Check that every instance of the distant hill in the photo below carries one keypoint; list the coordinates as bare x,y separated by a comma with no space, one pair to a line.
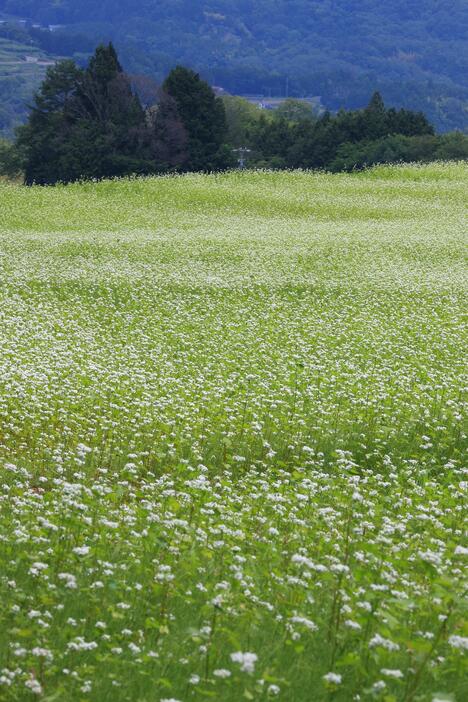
416,54
22,67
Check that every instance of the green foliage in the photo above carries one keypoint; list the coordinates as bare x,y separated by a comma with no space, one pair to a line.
398,148
203,117
272,139
169,139
452,146
343,141
11,163
351,140
294,111
90,124
43,139
241,118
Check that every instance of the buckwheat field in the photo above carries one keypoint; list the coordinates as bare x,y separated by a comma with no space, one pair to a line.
232,438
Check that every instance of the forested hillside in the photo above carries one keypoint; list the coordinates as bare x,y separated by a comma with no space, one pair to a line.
342,50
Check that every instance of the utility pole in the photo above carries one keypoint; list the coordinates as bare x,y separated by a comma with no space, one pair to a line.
242,156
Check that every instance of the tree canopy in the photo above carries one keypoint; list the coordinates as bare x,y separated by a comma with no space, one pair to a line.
203,117
91,123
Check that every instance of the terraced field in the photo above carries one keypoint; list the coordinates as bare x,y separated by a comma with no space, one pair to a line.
18,81
232,438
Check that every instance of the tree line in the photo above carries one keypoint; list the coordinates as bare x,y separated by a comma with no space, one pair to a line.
99,122
92,123
349,140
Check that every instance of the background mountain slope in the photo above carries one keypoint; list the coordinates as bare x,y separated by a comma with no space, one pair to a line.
22,67
415,54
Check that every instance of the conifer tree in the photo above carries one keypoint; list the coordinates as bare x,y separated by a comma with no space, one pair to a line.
85,124
375,124
42,141
107,115
203,117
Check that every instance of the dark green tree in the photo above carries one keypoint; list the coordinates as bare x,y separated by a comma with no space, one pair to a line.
375,122
109,129
43,140
204,120
271,140
11,163
241,117
452,146
408,123
169,142
85,124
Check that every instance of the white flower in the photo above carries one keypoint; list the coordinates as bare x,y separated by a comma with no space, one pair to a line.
42,653
245,660
352,625
429,556
460,642
392,673
222,673
461,551
79,644
305,622
273,690
36,568
379,685
81,550
34,685
70,580
20,651
334,678
378,640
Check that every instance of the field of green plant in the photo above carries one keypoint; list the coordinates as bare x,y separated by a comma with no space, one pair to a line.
232,438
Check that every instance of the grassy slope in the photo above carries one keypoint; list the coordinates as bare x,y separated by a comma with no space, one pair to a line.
242,394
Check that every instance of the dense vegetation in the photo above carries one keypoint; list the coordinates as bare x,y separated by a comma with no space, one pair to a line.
92,124
232,438
415,54
98,122
350,140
